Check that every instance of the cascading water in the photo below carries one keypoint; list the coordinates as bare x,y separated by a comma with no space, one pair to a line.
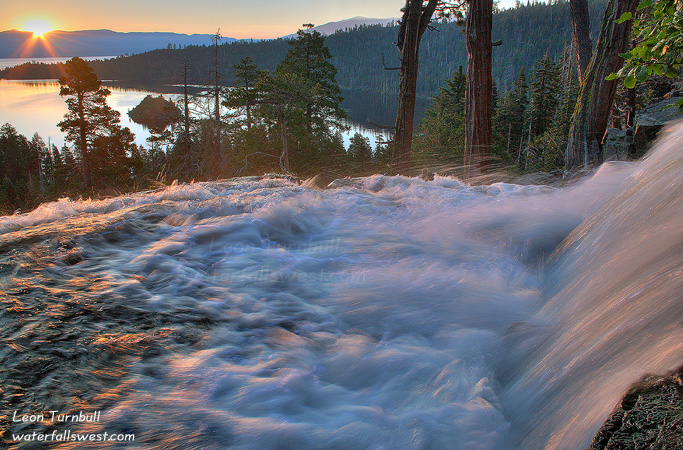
392,314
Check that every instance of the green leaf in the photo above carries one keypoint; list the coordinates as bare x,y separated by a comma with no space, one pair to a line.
630,82
678,104
644,4
641,73
611,76
658,69
671,73
624,17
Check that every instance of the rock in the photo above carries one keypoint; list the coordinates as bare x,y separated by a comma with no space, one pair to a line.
617,145
342,183
651,119
649,416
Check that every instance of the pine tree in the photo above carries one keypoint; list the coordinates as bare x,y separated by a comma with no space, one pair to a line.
569,89
14,149
243,93
90,122
308,58
442,130
544,88
35,164
360,149
112,156
510,127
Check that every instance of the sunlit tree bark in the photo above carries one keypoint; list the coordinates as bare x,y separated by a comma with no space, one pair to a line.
597,94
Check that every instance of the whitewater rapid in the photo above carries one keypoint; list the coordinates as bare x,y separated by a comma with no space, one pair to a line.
391,313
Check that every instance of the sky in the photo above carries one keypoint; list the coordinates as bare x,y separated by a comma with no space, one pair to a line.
235,18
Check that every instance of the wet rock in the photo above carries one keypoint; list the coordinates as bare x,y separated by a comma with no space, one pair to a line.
342,183
650,120
617,144
649,416
72,258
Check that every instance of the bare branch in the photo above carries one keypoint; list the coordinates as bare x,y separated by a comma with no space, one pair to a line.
388,68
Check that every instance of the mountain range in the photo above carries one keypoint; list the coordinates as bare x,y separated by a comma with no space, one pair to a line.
22,44
347,24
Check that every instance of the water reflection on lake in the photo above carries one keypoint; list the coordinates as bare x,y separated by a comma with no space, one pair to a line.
34,106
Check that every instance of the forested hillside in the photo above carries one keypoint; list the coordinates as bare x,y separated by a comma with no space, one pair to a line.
528,32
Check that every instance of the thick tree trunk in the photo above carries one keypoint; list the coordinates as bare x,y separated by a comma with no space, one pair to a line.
581,35
597,94
415,20
479,90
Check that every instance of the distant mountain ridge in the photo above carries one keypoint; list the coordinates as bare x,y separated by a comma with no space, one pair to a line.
22,44
347,24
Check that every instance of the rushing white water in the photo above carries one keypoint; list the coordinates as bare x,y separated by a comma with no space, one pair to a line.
396,314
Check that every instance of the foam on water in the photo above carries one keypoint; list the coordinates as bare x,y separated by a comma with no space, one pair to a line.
396,314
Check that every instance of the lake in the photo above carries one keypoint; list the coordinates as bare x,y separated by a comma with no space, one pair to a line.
34,106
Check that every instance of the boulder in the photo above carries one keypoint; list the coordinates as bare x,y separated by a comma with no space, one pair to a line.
651,119
649,416
617,145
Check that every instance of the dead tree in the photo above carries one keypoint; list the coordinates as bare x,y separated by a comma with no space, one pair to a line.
417,15
581,35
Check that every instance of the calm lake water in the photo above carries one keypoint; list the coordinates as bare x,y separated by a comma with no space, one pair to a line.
34,106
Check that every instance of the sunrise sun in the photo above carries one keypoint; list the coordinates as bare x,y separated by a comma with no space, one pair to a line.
37,27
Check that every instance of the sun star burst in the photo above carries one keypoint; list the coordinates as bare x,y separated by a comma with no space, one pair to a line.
37,27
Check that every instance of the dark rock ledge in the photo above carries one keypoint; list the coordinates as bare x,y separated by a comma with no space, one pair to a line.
649,416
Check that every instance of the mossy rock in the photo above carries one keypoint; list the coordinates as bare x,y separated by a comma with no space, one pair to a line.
649,416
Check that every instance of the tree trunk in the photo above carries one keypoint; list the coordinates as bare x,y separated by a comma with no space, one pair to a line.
186,98
284,156
413,25
479,90
597,94
217,94
83,144
581,35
